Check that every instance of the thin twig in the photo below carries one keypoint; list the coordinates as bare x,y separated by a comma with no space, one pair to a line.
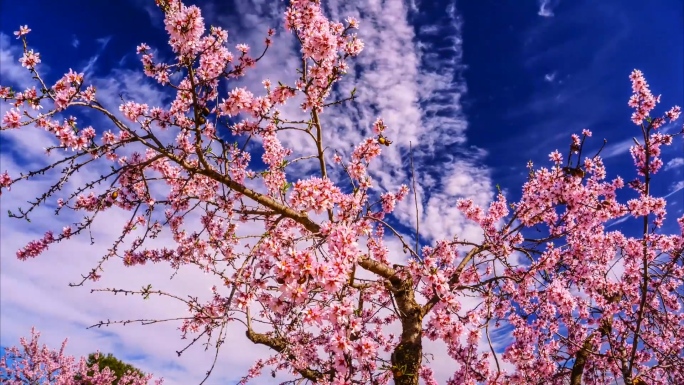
415,198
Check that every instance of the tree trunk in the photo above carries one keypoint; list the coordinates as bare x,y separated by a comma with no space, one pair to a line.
580,362
408,355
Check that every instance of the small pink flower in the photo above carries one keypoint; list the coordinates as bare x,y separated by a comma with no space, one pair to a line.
673,113
244,48
556,157
5,180
23,31
142,48
12,119
30,59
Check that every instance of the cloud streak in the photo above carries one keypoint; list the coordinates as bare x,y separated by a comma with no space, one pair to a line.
674,163
546,7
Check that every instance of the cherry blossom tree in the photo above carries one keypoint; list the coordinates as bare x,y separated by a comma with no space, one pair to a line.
35,365
317,284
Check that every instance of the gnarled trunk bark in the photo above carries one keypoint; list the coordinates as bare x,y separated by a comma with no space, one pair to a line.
408,355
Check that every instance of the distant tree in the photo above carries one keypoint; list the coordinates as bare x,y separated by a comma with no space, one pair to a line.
115,365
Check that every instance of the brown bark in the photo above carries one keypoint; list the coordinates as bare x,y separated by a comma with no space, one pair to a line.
580,362
584,352
279,345
407,356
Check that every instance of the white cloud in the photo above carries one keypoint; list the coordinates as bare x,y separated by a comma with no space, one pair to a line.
550,77
675,188
546,7
623,146
674,163
90,65
103,41
619,148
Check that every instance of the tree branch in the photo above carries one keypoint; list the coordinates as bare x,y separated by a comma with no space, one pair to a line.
280,346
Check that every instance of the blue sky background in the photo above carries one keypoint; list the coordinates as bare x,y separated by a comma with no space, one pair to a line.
486,86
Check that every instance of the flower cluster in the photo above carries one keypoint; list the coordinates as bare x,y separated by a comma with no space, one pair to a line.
314,194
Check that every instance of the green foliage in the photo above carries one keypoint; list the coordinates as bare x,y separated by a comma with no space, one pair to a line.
118,367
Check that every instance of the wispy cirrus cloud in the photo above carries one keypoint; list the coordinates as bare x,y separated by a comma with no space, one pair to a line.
584,93
674,163
550,77
676,187
411,80
622,147
90,65
546,7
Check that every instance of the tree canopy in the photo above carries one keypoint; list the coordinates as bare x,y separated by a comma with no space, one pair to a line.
299,238
116,366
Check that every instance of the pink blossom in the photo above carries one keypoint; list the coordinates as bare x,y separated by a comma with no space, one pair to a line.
239,100
314,194
12,119
30,59
23,31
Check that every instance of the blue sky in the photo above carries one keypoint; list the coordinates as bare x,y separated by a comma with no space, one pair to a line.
478,88
533,80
